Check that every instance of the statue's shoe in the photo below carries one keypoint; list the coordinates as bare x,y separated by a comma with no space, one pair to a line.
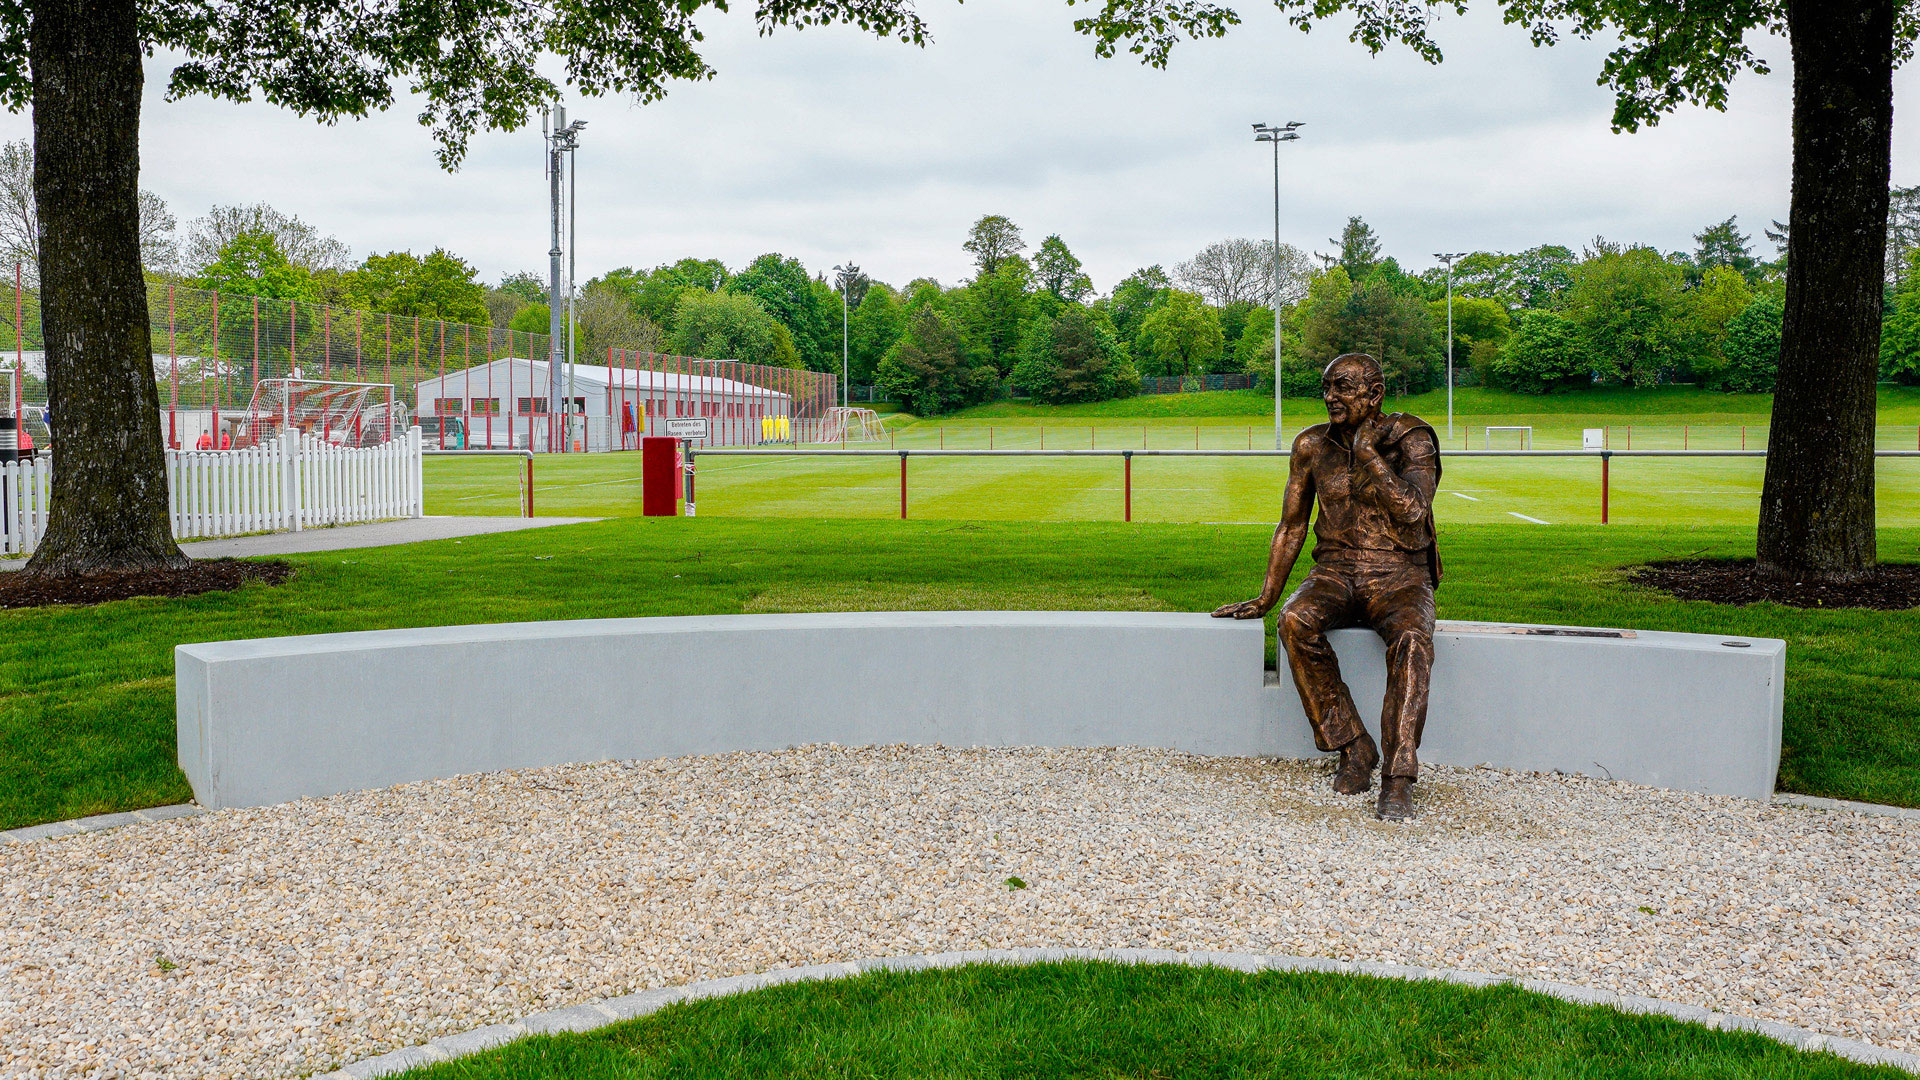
1396,799
1357,760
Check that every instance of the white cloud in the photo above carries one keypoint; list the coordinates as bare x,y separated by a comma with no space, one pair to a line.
827,145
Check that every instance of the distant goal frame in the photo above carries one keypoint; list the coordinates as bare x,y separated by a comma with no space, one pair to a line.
851,423
1524,429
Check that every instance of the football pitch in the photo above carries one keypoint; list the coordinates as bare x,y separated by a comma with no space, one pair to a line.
1531,492
1527,493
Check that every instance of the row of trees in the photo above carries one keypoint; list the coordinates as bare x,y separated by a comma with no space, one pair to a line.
260,251
1538,320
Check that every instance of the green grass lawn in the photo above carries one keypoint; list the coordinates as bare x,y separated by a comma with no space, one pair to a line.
1524,494
86,694
1098,1020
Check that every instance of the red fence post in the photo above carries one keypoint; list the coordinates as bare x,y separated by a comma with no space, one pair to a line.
19,339
219,373
903,485
1127,455
529,478
1606,462
173,380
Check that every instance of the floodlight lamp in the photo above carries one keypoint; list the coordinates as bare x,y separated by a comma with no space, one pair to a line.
1295,124
1289,137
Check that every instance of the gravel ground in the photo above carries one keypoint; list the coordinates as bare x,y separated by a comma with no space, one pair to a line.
289,940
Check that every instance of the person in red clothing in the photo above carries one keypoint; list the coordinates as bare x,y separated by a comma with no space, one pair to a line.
226,440
206,441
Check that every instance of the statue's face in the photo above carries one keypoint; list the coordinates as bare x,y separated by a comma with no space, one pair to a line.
1351,396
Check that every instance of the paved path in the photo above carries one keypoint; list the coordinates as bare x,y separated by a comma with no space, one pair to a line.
378,534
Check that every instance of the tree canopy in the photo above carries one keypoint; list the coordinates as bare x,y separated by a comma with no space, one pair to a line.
438,286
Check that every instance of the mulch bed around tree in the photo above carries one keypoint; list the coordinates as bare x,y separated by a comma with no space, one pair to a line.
17,590
1891,586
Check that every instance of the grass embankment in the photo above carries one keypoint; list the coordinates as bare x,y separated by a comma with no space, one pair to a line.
1661,418
1121,1020
86,694
1898,405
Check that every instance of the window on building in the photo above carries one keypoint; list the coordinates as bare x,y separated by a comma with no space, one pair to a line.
484,406
446,406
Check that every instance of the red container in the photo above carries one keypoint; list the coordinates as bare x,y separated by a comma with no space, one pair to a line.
659,476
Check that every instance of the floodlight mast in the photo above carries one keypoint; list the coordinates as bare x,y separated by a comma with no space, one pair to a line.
561,139
848,275
1268,133
1447,258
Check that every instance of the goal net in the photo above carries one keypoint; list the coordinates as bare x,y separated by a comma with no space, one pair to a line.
842,424
1510,438
342,413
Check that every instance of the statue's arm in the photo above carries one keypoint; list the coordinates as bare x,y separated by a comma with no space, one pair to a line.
1289,537
1407,496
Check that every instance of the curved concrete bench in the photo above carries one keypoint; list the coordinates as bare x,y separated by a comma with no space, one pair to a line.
269,720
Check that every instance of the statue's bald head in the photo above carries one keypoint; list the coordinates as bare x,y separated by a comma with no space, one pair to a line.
1361,364
1353,388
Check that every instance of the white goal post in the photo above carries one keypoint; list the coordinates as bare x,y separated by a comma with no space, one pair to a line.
843,424
341,413
1525,431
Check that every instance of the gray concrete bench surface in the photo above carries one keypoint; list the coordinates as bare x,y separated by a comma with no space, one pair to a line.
269,720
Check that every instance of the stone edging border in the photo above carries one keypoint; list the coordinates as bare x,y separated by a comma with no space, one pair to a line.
103,822
1815,802
99,823
597,1014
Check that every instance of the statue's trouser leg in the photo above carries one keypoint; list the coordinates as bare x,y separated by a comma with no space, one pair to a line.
1322,602
1399,606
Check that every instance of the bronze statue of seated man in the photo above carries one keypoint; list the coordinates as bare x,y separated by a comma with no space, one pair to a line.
1376,564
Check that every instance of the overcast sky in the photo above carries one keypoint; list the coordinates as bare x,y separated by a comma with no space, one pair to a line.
828,146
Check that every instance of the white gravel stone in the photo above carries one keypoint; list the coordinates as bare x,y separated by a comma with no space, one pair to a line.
285,941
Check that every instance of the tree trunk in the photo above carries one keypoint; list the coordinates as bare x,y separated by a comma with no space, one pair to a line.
1816,507
109,501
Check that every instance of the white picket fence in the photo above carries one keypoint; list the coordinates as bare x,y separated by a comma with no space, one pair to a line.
24,486
295,482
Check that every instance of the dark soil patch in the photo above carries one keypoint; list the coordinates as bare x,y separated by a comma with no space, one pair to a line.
17,590
1891,586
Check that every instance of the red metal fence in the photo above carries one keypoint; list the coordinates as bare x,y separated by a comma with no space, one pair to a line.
211,350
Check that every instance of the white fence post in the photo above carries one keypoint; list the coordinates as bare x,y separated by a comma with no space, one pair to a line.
417,498
290,475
